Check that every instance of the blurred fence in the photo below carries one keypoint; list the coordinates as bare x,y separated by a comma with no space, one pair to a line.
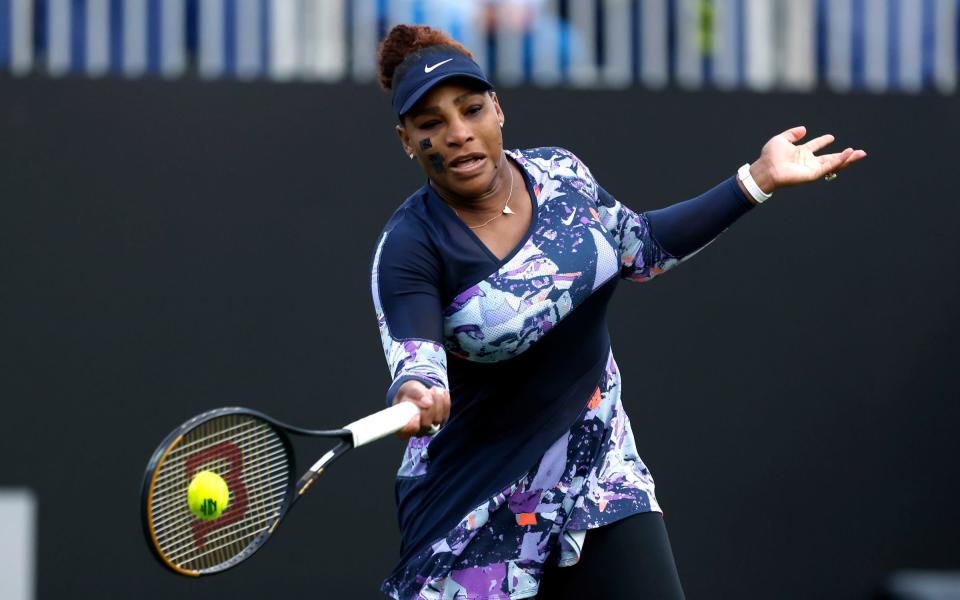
800,45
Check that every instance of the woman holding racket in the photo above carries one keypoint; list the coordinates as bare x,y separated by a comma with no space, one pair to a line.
491,284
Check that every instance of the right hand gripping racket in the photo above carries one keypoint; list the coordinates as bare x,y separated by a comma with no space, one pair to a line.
253,455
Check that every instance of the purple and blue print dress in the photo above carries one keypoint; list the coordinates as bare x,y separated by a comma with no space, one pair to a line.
538,448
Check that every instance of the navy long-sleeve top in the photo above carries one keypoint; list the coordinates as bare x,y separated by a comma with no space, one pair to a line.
520,342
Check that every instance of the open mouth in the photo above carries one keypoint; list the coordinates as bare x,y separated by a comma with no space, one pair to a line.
466,162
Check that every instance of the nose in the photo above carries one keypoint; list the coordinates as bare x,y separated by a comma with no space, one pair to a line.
459,132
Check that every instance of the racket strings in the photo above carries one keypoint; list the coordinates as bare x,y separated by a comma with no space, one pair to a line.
171,532
184,447
248,435
252,458
276,460
186,534
166,496
275,473
249,529
170,538
240,441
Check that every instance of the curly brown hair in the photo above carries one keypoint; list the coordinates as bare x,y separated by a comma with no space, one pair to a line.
404,40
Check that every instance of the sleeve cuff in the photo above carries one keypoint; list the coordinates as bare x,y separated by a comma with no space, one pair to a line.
732,181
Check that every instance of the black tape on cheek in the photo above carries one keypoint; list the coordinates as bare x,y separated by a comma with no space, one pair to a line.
425,144
436,161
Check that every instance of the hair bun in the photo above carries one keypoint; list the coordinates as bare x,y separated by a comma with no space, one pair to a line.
404,40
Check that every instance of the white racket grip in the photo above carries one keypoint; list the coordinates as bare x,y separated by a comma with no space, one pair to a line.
381,424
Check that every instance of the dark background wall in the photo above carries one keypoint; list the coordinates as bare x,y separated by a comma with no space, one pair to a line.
171,247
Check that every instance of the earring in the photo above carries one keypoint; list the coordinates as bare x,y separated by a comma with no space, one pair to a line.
501,124
411,155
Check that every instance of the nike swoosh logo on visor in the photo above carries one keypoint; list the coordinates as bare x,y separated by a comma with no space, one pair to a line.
427,69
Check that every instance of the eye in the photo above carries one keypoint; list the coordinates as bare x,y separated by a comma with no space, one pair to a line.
474,109
429,124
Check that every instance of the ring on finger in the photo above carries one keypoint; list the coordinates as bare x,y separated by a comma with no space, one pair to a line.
829,176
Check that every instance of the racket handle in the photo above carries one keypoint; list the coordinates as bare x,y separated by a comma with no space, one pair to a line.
381,424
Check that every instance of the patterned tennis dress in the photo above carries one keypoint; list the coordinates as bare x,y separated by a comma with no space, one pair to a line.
538,449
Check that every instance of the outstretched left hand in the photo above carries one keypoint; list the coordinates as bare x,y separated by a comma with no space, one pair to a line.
784,163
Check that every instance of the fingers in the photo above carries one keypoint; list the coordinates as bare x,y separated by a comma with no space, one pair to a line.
439,411
417,393
422,398
819,143
411,428
831,163
854,157
441,399
434,405
795,134
847,157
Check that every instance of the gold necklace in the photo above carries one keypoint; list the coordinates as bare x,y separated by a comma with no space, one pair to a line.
506,207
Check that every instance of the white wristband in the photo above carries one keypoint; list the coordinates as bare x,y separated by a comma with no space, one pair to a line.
743,174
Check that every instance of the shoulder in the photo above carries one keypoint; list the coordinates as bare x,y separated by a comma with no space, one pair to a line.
410,222
558,164
408,235
545,157
552,160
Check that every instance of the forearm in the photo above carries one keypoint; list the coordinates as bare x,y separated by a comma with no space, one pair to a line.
687,226
421,361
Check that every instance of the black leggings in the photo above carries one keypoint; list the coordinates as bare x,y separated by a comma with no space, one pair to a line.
627,559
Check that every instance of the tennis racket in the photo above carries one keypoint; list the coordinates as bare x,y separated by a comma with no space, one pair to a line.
253,454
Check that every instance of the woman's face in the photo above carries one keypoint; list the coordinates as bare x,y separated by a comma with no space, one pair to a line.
454,132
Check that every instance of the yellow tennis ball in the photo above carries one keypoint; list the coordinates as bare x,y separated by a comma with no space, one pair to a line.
208,495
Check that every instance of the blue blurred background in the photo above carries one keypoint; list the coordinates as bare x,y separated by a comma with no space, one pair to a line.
800,45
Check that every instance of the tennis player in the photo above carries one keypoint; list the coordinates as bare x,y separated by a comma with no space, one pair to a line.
491,282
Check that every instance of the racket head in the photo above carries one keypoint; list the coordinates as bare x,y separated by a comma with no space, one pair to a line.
255,459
